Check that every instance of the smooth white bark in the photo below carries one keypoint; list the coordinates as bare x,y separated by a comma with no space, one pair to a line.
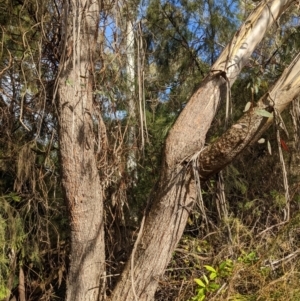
130,73
237,52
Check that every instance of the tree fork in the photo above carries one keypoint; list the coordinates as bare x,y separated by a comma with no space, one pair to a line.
176,192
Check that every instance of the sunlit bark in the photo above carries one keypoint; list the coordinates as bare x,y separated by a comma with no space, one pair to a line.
250,127
80,176
130,73
175,193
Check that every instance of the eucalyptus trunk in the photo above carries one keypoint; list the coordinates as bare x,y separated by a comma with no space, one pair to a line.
132,116
80,176
175,194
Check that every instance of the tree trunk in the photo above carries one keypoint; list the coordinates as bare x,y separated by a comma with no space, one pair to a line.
176,193
80,176
132,116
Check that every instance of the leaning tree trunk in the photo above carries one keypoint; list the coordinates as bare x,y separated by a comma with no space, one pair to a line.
175,193
80,176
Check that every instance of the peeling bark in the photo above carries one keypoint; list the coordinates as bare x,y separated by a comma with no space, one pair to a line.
237,52
250,127
132,115
176,192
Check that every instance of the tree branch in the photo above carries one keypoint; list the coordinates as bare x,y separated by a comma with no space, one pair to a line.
250,127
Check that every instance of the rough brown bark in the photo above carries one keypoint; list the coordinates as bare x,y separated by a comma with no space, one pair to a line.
176,192
250,127
163,228
80,176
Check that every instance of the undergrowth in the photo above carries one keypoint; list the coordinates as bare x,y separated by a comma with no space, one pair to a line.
248,252
256,265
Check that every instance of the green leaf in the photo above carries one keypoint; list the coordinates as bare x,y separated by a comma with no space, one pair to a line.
205,279
15,197
4,292
199,282
212,276
201,298
247,106
222,265
200,292
214,286
209,268
264,113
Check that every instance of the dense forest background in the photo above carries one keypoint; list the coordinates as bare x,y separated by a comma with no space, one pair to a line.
241,241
